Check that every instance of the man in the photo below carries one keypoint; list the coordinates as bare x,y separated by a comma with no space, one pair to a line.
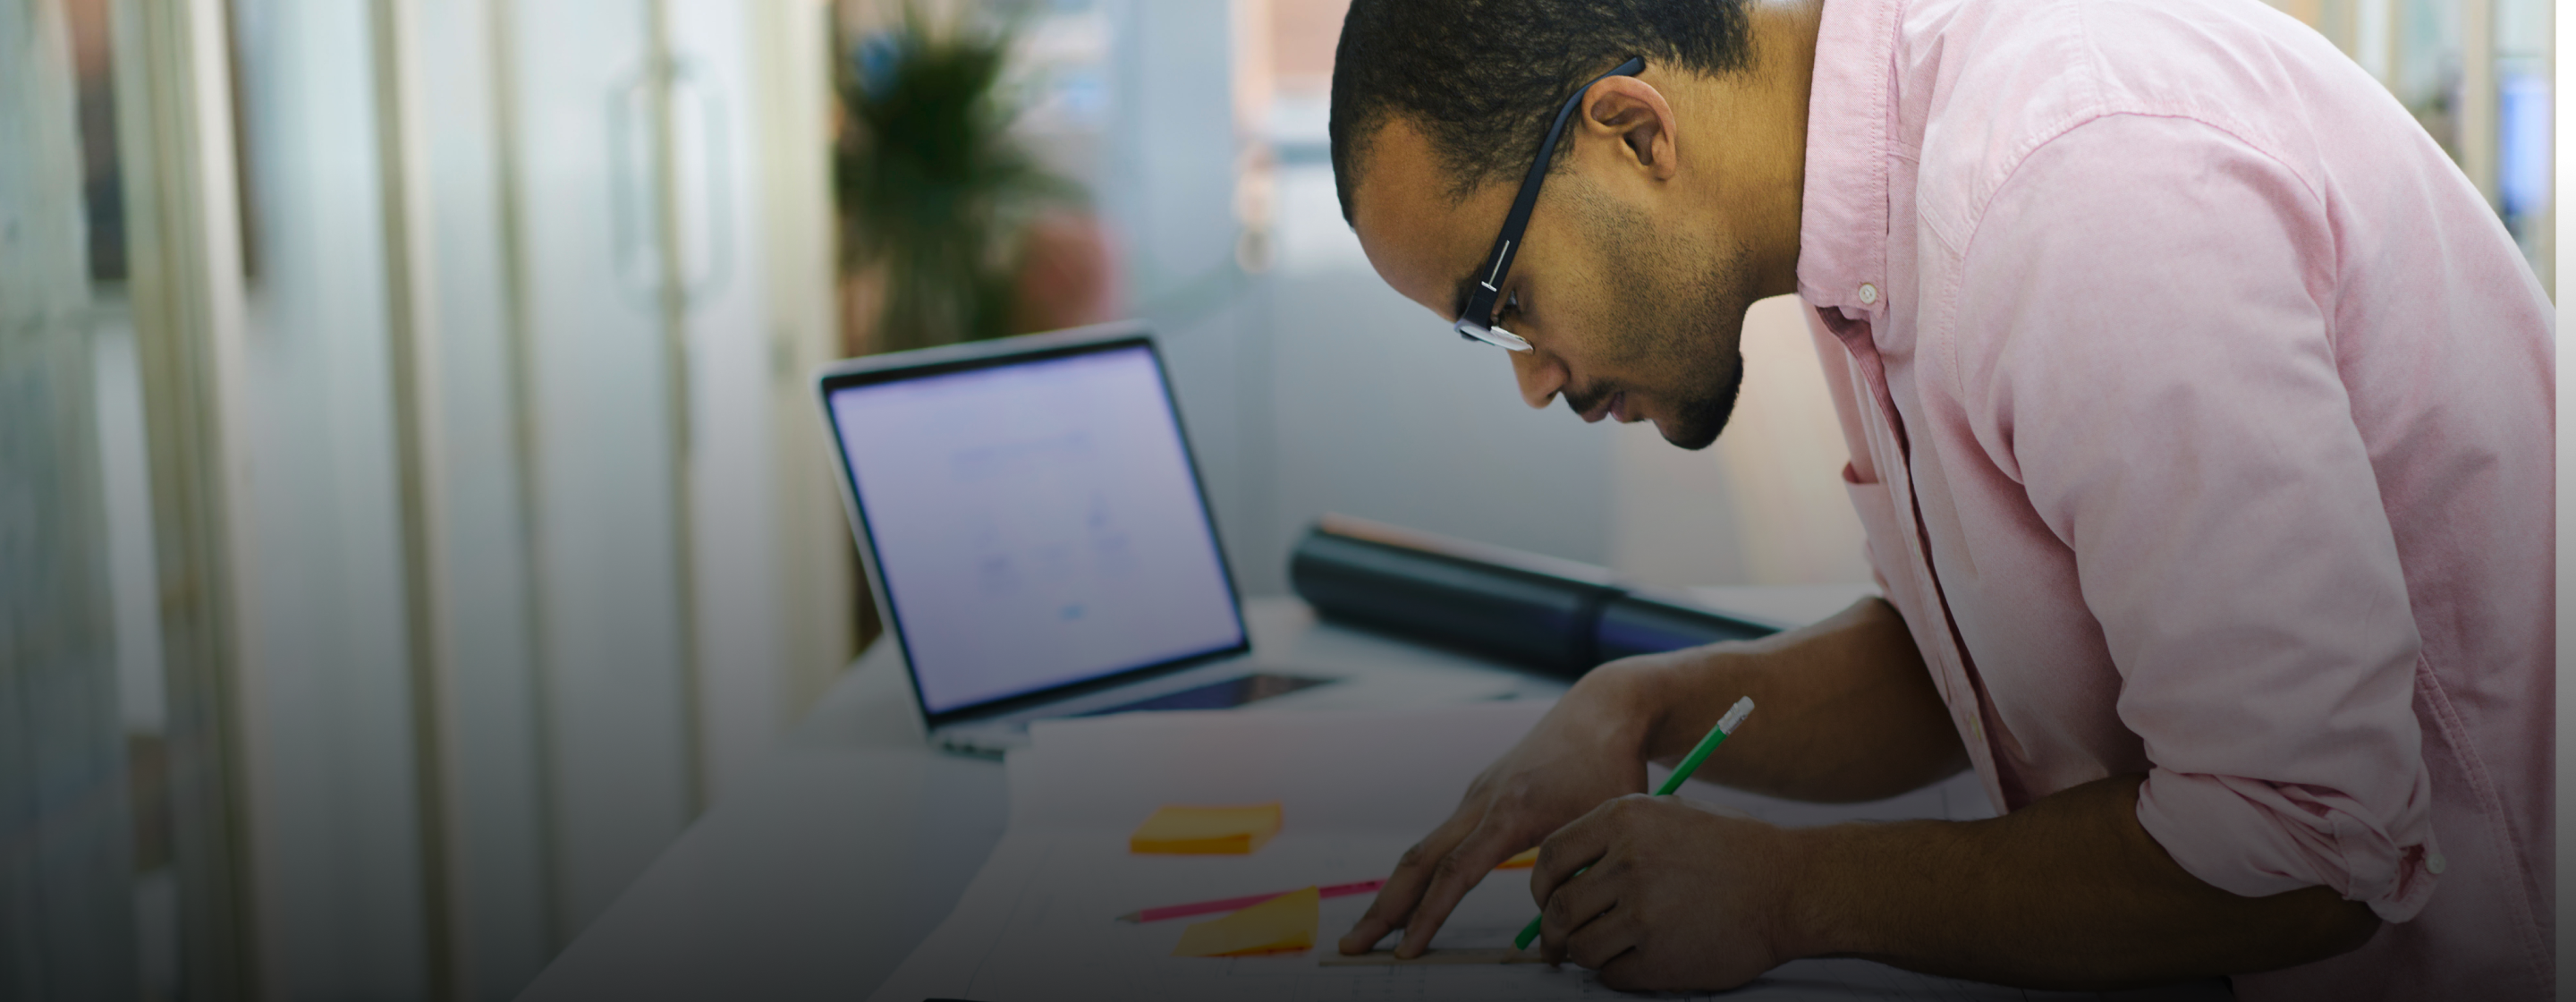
2199,415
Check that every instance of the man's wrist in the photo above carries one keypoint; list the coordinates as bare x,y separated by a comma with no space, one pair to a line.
1625,705
1818,911
1857,889
1682,694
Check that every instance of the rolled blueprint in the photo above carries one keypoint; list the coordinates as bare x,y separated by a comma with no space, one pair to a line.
1554,615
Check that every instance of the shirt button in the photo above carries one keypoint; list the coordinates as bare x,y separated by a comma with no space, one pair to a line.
1868,293
2437,864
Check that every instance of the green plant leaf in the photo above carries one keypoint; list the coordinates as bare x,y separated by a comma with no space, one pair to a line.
933,186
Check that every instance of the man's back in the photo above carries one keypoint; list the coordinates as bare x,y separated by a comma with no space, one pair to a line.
2225,414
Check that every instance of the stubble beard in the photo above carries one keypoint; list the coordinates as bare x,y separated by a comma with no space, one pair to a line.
1688,326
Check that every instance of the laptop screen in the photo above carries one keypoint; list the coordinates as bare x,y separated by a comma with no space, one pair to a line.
1037,523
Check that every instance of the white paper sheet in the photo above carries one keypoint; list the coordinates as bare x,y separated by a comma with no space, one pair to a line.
1038,922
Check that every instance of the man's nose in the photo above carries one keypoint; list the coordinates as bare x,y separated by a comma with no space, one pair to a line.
1541,377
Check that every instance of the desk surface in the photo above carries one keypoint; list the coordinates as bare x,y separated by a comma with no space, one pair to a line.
819,875
824,871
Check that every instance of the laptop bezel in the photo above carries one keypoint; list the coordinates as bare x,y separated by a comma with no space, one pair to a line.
1022,349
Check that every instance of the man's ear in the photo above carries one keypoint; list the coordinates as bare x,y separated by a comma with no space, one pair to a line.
1633,112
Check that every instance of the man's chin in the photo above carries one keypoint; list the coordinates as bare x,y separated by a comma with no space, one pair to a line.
1692,438
1697,426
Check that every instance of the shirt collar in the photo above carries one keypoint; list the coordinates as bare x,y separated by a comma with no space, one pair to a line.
1842,224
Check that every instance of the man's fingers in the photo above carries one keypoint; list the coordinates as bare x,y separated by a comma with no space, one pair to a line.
1457,873
1395,900
1631,971
1589,897
1573,847
1610,939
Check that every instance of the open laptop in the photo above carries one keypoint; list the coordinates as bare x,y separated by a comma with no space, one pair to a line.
1036,537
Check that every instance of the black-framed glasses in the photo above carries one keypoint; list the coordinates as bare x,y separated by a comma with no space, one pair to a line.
1476,321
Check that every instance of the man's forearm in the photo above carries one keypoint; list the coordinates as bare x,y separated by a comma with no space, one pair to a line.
1847,711
2068,892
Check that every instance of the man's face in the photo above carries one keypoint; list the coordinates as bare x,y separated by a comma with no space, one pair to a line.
1630,313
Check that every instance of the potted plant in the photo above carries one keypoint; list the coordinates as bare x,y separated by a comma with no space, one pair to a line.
952,230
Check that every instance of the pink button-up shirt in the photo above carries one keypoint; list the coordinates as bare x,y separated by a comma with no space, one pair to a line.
2200,415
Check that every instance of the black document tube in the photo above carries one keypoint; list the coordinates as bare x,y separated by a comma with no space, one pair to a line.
1556,616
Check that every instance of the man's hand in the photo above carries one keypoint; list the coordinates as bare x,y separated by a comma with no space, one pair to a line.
1588,749
1848,713
1664,893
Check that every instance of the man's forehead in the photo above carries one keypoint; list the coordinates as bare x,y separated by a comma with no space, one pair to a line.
1423,243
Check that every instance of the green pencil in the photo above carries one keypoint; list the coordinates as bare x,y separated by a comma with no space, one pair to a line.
1681,774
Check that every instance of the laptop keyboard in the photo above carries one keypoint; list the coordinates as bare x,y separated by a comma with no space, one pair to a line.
1219,695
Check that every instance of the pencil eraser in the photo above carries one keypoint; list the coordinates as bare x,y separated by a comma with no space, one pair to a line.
1735,715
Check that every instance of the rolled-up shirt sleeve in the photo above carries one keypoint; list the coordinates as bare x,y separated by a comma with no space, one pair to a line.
2159,371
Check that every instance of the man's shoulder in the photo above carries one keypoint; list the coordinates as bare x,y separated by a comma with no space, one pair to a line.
2080,57
1982,84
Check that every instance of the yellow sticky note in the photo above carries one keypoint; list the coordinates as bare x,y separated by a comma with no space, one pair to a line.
1528,858
1284,924
1206,831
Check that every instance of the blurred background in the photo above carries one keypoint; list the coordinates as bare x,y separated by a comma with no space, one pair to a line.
412,511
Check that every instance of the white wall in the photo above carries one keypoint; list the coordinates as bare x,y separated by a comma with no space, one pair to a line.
606,521
497,824
326,716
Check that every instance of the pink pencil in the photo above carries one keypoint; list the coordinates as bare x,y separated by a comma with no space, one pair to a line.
1246,901
1525,860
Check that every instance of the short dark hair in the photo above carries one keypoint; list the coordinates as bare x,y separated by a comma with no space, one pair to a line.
1483,77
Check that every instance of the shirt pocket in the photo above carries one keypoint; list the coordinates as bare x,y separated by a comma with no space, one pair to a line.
1892,559
1881,542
